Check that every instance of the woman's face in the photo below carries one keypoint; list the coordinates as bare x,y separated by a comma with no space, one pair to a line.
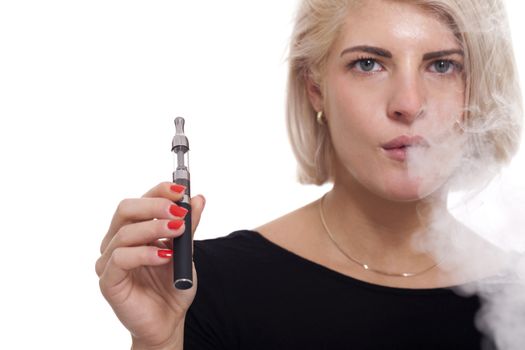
393,91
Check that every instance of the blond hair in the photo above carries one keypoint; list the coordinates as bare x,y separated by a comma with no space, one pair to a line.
493,116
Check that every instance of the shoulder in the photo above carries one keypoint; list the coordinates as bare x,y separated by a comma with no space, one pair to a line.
223,267
239,254
230,241
238,244
297,231
294,232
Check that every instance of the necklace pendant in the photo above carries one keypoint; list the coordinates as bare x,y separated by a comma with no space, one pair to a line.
365,266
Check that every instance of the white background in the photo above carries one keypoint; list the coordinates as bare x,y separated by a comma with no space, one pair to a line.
88,94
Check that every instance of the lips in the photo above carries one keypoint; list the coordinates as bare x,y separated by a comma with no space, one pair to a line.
405,141
397,148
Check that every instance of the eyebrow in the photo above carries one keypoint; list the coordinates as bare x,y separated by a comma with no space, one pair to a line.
385,53
370,49
442,53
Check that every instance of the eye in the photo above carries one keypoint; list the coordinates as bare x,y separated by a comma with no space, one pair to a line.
365,65
444,66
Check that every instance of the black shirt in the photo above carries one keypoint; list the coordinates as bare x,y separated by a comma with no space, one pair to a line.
254,294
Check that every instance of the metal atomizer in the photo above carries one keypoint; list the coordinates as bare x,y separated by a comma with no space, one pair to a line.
182,245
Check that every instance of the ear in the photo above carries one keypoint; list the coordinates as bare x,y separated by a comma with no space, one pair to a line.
314,93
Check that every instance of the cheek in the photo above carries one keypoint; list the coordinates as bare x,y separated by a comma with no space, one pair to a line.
447,101
351,107
452,106
354,120
350,122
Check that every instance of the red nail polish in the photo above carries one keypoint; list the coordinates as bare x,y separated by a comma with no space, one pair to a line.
178,188
175,224
165,253
178,211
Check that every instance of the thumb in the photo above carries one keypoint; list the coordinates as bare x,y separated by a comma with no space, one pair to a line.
197,206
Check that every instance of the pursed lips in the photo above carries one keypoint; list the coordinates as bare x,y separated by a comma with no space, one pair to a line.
397,147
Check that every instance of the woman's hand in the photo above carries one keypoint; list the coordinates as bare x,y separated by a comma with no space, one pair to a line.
134,279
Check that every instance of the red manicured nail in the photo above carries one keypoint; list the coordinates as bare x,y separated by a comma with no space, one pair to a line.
175,224
178,211
165,253
178,188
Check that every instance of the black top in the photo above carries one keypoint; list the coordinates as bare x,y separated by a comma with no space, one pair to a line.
254,294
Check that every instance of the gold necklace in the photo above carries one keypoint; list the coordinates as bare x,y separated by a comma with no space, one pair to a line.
366,266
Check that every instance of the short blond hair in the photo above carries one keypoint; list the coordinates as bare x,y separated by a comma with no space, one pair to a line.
493,114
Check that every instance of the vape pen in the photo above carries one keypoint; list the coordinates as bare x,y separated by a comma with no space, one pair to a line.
182,245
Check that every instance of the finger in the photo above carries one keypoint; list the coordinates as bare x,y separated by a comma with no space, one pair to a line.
123,260
141,209
163,243
197,206
169,190
141,233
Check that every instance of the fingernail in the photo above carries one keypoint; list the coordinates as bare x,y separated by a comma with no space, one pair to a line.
175,224
165,253
178,211
178,188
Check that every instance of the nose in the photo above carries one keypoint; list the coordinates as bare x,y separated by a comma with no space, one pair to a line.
407,99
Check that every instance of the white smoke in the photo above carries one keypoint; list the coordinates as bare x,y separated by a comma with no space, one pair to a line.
479,237
496,215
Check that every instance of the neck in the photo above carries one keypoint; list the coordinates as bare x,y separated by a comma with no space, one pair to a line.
378,231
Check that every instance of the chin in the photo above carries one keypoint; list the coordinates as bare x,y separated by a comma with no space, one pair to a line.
401,195
410,190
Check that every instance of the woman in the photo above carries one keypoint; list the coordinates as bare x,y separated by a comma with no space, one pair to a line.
395,102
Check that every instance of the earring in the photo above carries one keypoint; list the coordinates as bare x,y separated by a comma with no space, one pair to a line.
320,118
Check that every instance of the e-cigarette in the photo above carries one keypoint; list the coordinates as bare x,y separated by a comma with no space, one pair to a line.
182,245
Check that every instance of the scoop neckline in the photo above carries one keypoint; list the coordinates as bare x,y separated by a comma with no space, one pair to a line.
361,283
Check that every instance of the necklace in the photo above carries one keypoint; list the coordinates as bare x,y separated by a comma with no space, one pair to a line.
366,266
